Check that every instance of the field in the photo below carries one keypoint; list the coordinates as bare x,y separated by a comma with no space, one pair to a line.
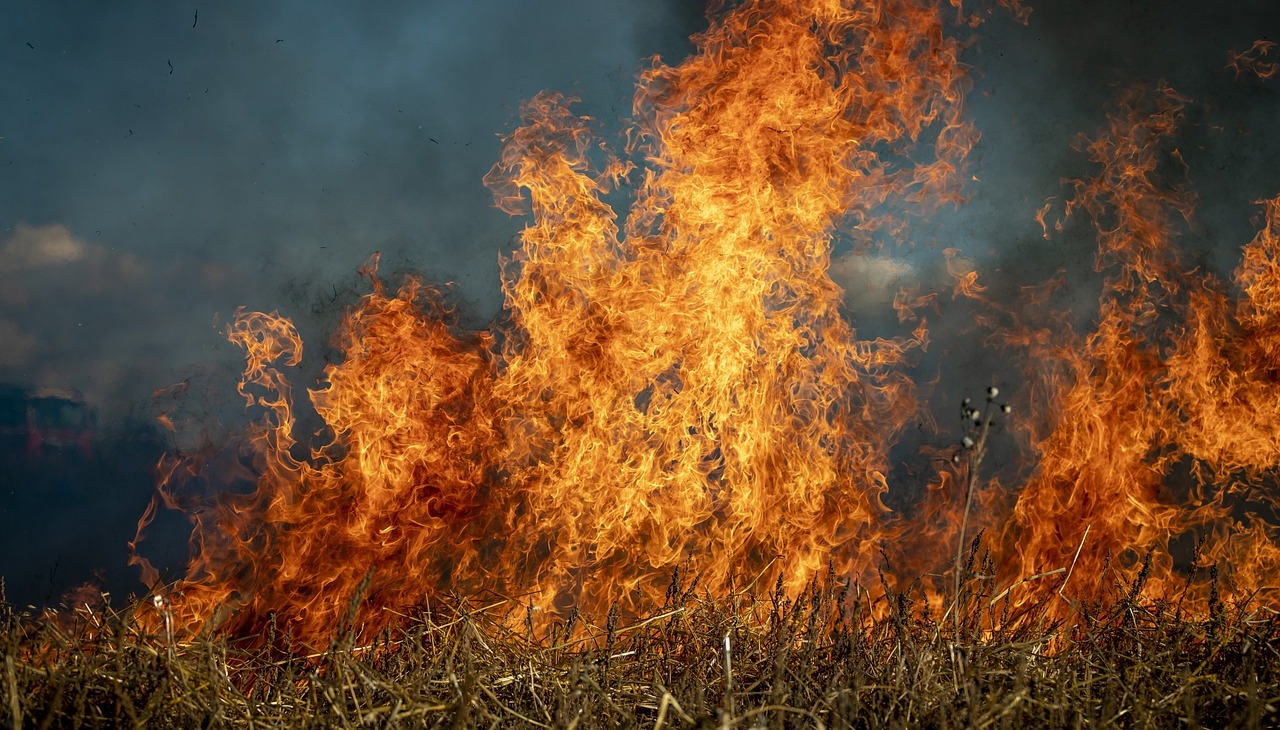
832,658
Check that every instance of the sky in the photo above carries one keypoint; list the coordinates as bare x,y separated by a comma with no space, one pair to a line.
162,163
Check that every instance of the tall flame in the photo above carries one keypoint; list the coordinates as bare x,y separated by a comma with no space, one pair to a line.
682,388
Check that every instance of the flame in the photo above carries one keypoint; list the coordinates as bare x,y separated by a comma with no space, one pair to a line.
681,388
678,389
1254,60
1162,423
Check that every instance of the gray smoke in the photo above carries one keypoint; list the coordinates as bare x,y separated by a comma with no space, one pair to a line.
188,159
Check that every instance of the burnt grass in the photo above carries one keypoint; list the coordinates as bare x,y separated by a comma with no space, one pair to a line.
831,657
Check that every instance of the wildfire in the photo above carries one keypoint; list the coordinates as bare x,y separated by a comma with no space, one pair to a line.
681,387
1161,423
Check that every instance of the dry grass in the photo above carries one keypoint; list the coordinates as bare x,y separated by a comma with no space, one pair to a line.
817,660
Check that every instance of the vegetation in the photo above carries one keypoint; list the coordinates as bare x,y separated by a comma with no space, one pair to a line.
832,657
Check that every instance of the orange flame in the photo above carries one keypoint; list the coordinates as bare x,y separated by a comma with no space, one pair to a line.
682,387
682,390
1168,383
1253,60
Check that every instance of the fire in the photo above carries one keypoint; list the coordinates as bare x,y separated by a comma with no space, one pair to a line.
1161,424
1254,60
680,387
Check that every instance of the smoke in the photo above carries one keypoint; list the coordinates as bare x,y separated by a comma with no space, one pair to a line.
256,155
1036,89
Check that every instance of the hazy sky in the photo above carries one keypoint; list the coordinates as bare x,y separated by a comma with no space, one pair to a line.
166,162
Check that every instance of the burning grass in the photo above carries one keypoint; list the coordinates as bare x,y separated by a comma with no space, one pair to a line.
829,657
680,386
676,380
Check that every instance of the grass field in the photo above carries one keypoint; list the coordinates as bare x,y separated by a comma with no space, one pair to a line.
832,657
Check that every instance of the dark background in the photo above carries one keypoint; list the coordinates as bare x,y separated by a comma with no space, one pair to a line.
163,163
